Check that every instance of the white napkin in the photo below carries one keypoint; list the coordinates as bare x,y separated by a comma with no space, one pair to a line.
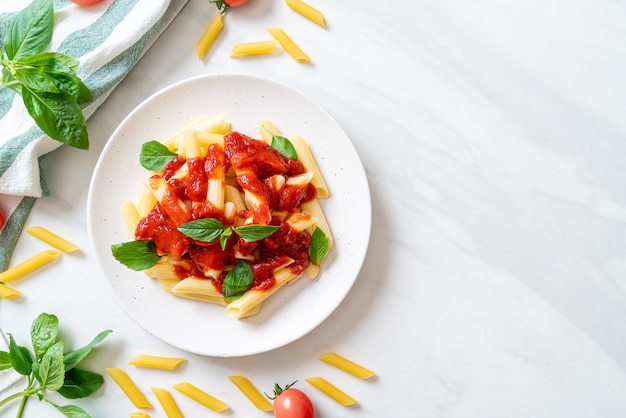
108,39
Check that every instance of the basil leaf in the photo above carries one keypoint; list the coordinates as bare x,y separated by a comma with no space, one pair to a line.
72,358
155,156
284,147
80,383
205,230
318,247
71,411
43,333
252,233
237,281
30,31
51,369
5,360
58,115
20,357
224,237
36,79
136,255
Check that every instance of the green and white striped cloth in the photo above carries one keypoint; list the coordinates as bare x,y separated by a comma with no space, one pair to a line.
108,39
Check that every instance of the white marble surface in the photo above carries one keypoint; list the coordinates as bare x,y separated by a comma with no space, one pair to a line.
493,137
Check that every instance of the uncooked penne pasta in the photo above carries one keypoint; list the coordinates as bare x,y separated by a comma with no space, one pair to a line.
139,414
157,362
346,365
129,388
289,45
307,11
28,265
250,392
200,396
253,48
7,292
209,35
167,402
331,391
52,239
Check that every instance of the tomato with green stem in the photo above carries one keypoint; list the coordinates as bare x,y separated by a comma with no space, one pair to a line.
223,5
291,403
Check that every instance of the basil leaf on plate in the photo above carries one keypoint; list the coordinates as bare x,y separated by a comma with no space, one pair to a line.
206,230
237,281
155,156
252,233
318,247
136,255
284,147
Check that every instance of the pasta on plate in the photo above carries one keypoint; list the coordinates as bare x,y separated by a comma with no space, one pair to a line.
226,218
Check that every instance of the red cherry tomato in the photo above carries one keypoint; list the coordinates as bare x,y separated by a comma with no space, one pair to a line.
235,3
85,2
292,403
1,219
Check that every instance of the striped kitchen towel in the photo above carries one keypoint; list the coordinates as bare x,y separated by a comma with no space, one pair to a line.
108,39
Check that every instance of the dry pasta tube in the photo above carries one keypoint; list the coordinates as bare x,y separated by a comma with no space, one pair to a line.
167,402
139,414
157,362
250,392
52,239
307,11
7,292
28,265
129,388
289,45
346,365
209,35
200,396
253,48
332,391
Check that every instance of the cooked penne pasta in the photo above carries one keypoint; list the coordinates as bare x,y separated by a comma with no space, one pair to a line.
157,362
289,45
314,208
307,11
167,402
7,292
253,48
28,265
331,391
52,239
200,396
131,216
199,289
145,203
250,392
346,365
306,158
266,130
129,388
209,35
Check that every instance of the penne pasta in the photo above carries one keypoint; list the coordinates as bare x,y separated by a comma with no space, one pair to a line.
315,210
289,45
307,11
130,214
200,396
306,158
253,48
198,288
346,365
52,239
129,388
157,362
331,391
266,130
28,265
209,35
167,403
250,392
7,292
139,414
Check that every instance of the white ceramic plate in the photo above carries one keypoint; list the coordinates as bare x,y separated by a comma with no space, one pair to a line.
293,310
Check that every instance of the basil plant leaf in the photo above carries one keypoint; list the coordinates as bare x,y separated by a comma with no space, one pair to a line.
224,237
20,357
284,147
252,233
237,281
51,369
80,384
43,333
205,230
72,358
136,255
155,156
71,411
318,247
30,31
5,360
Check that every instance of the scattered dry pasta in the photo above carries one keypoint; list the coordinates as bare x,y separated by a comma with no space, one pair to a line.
253,48
307,11
167,402
209,35
157,362
289,45
331,391
200,396
250,392
129,388
347,366
28,265
52,239
7,292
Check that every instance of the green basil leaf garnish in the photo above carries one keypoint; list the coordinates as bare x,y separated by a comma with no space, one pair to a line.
136,255
206,230
30,31
43,333
284,147
20,357
155,156
318,247
80,383
252,233
224,237
237,281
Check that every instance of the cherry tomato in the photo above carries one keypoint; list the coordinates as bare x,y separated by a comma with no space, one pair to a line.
235,3
1,219
291,403
85,2
223,5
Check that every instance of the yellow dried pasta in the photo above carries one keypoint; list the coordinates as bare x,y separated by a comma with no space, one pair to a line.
307,11
28,265
167,402
346,365
52,239
209,35
157,362
250,392
200,396
289,45
253,48
331,391
129,388
7,292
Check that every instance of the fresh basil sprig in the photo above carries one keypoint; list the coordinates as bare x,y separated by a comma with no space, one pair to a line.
136,255
283,146
51,91
210,229
318,247
237,281
48,368
155,156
